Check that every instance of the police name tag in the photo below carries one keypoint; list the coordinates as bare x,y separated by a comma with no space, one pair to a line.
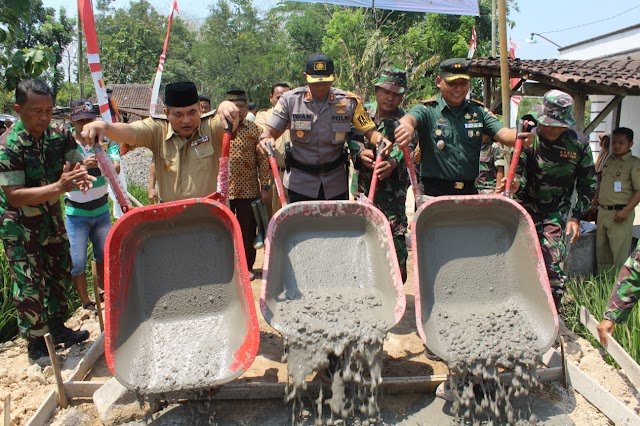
617,186
197,142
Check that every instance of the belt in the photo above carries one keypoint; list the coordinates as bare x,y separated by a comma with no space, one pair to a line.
459,185
319,169
614,207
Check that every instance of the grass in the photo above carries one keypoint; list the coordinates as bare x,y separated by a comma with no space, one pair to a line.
8,324
593,293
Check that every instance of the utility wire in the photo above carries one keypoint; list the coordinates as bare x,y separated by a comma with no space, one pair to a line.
591,23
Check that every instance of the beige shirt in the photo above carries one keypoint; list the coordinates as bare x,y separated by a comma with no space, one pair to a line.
185,168
625,170
262,118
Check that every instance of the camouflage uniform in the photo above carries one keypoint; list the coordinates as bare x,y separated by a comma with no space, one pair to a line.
34,237
491,157
626,291
548,173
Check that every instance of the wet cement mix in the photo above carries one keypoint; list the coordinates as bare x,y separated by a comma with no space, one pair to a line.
482,346
338,333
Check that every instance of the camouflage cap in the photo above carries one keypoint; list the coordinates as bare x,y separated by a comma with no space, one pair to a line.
455,68
556,109
393,79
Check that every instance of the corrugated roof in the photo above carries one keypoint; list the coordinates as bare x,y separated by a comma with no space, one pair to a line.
596,76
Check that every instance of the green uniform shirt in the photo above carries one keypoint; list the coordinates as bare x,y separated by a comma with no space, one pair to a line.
32,163
626,171
460,129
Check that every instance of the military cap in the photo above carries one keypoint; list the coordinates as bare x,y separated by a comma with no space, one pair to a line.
180,94
556,109
393,79
236,95
82,109
319,68
455,68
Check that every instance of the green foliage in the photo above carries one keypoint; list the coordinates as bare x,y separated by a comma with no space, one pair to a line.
593,293
28,63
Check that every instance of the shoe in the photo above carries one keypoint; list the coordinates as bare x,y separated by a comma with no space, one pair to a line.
62,334
37,348
252,275
89,306
430,355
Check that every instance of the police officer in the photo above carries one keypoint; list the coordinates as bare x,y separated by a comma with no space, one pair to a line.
450,128
319,117
38,164
548,171
186,146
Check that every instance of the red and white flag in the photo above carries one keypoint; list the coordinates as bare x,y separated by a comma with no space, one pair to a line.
472,43
512,55
156,83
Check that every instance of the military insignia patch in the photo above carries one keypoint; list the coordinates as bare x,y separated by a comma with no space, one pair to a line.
299,134
341,111
467,116
470,133
440,144
319,66
438,132
341,104
477,132
167,167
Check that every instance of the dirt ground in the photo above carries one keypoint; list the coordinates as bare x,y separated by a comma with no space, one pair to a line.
403,356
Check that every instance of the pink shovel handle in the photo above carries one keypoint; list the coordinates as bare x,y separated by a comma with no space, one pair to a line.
514,161
276,175
374,178
223,173
413,178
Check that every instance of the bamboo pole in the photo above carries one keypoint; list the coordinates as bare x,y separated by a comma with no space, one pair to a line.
7,410
62,396
504,63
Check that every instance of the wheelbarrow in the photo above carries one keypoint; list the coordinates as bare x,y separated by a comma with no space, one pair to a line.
180,314
477,258
331,246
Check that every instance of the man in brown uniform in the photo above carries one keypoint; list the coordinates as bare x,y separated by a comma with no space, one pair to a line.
186,147
319,117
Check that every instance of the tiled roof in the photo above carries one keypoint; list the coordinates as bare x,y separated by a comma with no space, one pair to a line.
134,96
596,76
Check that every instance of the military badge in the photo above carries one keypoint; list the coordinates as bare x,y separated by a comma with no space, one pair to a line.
341,111
341,104
475,115
167,167
467,116
299,134
440,144
470,133
438,132
477,132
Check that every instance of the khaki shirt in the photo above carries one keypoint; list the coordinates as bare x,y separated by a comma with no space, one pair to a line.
625,170
318,133
185,168
262,118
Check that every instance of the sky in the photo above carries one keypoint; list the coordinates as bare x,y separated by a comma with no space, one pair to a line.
553,19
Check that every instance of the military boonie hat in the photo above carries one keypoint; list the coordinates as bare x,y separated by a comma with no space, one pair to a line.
82,109
319,68
556,109
393,79
455,68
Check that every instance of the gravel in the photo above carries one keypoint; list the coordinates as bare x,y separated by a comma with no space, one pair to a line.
136,166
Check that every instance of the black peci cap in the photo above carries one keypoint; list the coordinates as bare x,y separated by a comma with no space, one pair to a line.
180,94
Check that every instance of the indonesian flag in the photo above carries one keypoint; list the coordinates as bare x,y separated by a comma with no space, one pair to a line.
512,55
472,43
174,8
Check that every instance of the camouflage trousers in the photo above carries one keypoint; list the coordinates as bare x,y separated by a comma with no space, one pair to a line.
37,249
550,229
626,292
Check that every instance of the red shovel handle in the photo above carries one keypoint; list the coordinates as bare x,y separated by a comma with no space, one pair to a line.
223,173
276,175
374,178
411,168
514,160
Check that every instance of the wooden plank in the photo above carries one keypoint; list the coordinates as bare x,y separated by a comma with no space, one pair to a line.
86,363
603,114
45,411
7,410
579,105
82,389
617,352
62,396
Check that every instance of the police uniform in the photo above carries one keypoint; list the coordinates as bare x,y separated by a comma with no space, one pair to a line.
34,237
318,133
620,180
450,142
185,167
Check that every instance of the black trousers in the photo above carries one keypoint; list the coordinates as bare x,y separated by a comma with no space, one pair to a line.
241,207
296,196
438,187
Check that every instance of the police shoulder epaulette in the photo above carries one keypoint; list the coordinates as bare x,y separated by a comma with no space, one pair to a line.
475,101
158,117
429,101
208,114
297,90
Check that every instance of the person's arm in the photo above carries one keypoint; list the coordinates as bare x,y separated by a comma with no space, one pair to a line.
406,129
621,215
119,132
153,192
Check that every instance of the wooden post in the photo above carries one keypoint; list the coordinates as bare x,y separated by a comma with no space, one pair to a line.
486,92
504,63
579,104
96,293
62,396
7,410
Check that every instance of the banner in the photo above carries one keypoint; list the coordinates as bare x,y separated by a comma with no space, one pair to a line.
451,7
473,43
156,83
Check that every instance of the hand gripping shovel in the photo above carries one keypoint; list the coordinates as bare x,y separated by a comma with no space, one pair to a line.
514,161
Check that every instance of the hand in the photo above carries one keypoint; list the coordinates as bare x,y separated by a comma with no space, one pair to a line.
265,196
368,158
153,196
229,113
90,162
94,131
528,138
75,178
573,226
385,168
404,134
620,215
604,329
388,147
262,145
515,185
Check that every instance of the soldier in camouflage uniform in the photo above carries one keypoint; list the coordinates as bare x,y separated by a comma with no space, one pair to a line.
391,192
547,173
492,163
623,297
35,170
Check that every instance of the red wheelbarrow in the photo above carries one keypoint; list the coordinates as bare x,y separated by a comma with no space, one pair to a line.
180,314
474,258
325,245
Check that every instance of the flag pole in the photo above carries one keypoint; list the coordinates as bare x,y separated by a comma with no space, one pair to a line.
504,63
